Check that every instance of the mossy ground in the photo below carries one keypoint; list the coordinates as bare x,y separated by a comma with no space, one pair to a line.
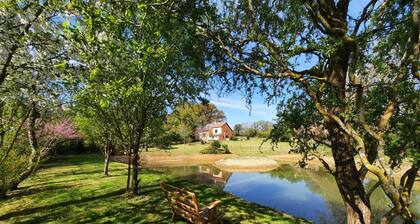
71,189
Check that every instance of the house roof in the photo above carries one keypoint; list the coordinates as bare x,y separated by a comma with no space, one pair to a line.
212,125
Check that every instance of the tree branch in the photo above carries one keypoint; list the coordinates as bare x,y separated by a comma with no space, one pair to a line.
13,49
367,11
15,136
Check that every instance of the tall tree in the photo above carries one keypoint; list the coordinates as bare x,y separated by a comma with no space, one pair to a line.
140,59
352,80
30,80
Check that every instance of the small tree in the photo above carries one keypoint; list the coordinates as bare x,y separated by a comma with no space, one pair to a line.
95,131
237,129
250,132
54,132
185,132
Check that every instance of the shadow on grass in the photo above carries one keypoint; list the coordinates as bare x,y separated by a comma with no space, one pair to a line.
85,172
72,160
25,191
59,205
41,184
167,149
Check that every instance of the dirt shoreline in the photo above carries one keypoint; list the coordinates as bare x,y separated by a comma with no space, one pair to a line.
159,160
246,164
152,159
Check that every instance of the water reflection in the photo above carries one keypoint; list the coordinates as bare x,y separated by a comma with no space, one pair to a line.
308,193
203,174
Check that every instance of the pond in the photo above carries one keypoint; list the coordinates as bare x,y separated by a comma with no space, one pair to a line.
308,193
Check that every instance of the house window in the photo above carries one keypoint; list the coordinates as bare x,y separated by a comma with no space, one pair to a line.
215,131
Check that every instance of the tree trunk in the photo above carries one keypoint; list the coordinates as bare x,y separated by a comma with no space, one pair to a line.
389,216
127,187
106,162
347,177
136,157
2,193
33,145
135,180
355,214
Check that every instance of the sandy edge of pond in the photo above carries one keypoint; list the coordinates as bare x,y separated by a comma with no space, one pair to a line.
158,160
246,164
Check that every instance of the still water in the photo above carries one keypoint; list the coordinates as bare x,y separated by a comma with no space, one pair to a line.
308,193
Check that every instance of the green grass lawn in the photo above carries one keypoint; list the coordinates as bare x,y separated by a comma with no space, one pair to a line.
241,147
71,189
251,147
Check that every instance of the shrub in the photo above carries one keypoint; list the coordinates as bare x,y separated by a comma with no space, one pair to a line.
166,140
209,150
226,149
234,138
216,148
215,144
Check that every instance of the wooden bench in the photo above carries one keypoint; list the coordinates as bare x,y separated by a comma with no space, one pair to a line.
184,204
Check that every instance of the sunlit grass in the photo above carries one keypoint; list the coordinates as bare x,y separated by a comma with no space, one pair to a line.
251,147
72,189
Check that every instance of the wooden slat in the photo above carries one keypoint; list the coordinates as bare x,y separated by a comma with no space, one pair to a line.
186,215
184,204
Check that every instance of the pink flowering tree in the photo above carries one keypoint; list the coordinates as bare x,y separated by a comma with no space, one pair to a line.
53,132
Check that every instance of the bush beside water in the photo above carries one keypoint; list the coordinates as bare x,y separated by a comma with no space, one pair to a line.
216,148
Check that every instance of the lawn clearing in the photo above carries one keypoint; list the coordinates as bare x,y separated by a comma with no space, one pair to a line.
71,189
251,147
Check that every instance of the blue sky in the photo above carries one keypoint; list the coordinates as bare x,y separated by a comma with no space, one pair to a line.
234,104
237,112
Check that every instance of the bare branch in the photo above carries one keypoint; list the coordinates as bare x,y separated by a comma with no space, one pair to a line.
367,11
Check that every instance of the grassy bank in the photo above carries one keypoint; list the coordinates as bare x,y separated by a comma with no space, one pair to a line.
72,190
251,147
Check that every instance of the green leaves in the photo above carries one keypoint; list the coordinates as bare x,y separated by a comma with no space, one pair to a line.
136,67
93,74
65,24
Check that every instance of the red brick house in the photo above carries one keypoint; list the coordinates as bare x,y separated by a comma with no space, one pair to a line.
216,131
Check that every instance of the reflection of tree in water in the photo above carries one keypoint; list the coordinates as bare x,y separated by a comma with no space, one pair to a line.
202,174
211,176
323,183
